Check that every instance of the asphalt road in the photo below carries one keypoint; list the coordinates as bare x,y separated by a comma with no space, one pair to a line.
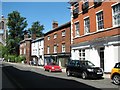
5,81
32,77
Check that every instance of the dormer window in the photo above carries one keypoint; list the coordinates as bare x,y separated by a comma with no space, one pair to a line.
76,10
97,2
85,6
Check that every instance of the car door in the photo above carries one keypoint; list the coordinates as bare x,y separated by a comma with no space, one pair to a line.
71,66
78,67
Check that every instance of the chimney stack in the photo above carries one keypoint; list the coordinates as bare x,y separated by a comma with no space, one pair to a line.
55,24
25,34
33,36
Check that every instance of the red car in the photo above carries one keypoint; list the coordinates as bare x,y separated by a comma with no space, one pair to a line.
52,67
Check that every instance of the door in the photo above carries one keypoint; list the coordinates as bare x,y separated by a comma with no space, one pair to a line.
101,53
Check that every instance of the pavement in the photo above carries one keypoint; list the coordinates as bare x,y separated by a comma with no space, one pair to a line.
41,67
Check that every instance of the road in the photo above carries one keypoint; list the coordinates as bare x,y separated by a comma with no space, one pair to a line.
32,77
5,82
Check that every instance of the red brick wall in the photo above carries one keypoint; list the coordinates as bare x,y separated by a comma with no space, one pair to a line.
59,40
107,15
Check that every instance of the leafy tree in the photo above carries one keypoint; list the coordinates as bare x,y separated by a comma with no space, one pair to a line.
16,25
37,29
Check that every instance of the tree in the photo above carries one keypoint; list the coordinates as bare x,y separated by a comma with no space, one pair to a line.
37,29
16,25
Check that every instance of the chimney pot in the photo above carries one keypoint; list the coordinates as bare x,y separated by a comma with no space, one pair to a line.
55,24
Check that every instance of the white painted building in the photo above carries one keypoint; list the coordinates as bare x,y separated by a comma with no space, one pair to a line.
37,50
102,52
95,33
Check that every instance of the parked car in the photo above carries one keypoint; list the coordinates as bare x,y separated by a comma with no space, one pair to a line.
85,69
115,74
52,67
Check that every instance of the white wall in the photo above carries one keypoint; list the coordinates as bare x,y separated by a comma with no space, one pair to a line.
94,56
75,54
37,50
108,58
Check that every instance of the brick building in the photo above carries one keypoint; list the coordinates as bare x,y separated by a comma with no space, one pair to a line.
95,32
25,47
57,44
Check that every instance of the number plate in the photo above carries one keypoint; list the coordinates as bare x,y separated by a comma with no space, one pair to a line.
99,72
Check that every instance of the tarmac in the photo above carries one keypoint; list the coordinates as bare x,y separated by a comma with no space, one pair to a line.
41,67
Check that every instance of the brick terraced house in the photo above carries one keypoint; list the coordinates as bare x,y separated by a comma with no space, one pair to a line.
57,44
25,47
95,32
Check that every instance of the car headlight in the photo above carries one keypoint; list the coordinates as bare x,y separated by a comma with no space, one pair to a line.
52,67
90,70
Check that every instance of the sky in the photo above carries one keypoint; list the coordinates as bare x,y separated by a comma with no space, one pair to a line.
45,12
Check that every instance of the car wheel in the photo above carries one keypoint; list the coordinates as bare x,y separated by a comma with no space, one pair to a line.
84,75
44,69
68,73
116,79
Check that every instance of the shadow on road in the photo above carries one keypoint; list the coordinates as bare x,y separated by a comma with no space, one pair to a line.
29,79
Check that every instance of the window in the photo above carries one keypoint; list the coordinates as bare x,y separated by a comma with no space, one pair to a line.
63,47
76,10
87,25
24,50
100,23
48,50
2,25
20,51
82,54
55,48
48,37
63,33
116,15
85,6
55,36
77,29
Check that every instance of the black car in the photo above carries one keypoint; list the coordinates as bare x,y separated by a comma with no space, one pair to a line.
83,68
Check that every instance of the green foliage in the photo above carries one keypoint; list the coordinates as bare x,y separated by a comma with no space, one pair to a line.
37,29
16,25
14,58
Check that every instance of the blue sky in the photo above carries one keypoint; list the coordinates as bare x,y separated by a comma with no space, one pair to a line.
45,12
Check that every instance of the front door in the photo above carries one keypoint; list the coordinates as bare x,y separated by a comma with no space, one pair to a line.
101,53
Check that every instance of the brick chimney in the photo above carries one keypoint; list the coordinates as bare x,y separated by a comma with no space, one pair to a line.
25,34
55,24
33,36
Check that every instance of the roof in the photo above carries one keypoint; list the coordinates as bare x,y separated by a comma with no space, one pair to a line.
27,39
38,39
59,27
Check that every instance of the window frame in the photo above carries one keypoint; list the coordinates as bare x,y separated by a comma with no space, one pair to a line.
77,35
86,25
113,20
101,11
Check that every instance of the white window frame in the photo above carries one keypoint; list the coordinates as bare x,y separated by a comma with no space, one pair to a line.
87,25
55,36
97,20
82,54
77,34
113,15
63,33
63,47
55,48
48,49
48,37
24,50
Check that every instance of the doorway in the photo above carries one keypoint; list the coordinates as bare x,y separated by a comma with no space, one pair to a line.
101,54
